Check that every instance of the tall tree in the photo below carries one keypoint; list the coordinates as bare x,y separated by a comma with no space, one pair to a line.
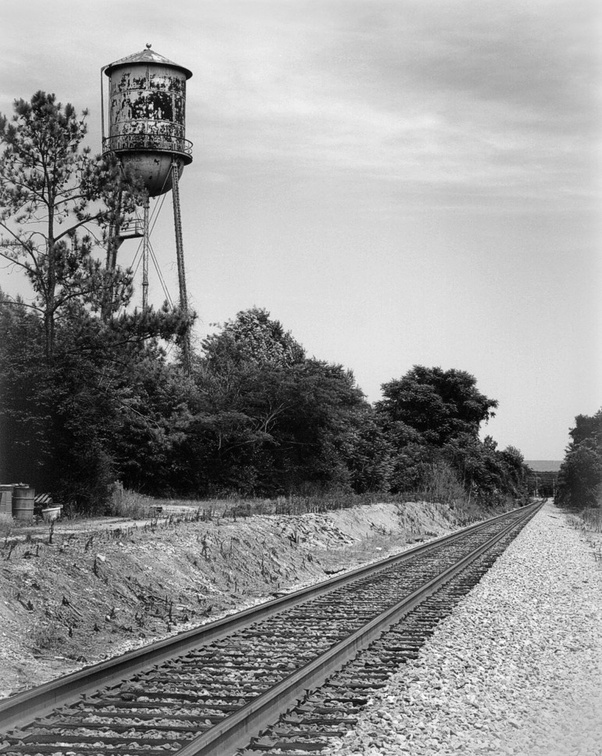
432,419
580,475
51,195
255,339
272,420
437,404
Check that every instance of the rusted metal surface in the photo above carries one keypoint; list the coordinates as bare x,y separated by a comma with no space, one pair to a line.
147,117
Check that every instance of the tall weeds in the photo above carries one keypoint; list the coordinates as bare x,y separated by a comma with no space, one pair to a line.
6,525
592,519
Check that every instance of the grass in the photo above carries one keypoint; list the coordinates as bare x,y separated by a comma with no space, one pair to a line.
132,505
6,525
46,636
137,506
443,489
589,522
592,519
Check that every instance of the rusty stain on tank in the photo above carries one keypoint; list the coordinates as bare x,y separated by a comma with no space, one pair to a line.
147,107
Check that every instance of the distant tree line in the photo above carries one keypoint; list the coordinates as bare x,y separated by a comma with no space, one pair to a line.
580,475
92,391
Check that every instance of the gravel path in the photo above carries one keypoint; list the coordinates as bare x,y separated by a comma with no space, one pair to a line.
516,669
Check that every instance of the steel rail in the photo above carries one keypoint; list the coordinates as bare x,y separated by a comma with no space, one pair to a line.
236,731
21,708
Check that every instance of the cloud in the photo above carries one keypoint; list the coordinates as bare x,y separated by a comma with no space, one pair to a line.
462,96
469,93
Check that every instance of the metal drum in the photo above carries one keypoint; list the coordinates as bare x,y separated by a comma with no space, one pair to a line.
23,502
6,499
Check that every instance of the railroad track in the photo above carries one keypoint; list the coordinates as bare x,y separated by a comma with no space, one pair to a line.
218,688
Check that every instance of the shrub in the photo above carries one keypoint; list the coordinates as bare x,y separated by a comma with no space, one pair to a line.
124,503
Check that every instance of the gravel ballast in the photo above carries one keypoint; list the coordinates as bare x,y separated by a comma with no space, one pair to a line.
515,669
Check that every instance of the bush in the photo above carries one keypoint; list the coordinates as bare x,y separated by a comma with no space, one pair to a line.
580,476
592,519
129,504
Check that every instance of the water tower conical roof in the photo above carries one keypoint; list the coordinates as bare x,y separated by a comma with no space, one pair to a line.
146,56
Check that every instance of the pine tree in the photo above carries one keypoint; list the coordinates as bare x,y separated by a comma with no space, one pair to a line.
52,196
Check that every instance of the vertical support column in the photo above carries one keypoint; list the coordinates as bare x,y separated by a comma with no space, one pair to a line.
175,190
145,254
113,244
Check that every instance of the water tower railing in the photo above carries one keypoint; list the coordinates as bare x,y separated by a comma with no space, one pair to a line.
132,229
147,142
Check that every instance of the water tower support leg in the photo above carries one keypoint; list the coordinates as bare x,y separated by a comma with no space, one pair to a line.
175,190
145,251
113,244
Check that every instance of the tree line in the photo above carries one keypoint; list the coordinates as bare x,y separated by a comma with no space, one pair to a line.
580,475
94,391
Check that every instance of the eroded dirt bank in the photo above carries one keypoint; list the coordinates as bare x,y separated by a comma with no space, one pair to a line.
86,596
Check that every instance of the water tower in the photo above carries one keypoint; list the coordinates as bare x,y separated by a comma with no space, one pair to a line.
146,131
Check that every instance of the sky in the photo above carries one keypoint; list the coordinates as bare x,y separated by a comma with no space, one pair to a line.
398,182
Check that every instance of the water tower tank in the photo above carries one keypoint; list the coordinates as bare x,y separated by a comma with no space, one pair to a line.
147,104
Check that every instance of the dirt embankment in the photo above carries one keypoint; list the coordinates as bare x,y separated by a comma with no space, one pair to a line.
86,596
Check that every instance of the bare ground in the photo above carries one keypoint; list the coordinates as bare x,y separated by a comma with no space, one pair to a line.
98,589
